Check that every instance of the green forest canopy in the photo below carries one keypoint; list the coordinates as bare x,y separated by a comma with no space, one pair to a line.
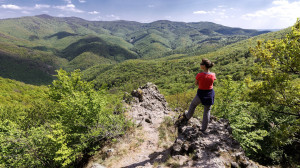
260,100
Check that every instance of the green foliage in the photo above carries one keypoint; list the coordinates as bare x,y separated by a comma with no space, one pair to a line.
178,70
86,60
50,43
82,111
24,70
97,46
278,90
18,96
62,129
181,100
39,146
58,130
278,68
241,114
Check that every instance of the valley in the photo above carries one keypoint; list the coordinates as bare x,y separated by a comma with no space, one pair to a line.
72,43
64,81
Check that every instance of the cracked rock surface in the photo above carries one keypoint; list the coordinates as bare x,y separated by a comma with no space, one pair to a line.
148,105
214,148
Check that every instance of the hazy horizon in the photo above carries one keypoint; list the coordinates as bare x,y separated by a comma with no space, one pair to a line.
247,14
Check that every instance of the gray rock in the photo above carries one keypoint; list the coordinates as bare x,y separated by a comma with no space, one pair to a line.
215,147
245,163
96,165
177,146
148,106
138,93
234,165
109,152
211,148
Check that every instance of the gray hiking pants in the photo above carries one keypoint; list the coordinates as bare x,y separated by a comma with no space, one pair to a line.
206,115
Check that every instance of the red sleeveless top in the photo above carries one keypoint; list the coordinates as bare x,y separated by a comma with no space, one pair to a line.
205,80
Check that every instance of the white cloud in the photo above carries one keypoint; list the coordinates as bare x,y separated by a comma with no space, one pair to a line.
280,8
82,1
26,9
282,12
280,2
200,12
277,15
93,13
69,7
205,12
40,6
151,6
10,6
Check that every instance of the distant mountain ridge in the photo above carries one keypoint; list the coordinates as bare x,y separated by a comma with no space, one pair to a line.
71,42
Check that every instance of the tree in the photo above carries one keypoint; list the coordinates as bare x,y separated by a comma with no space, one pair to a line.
278,67
70,124
83,113
241,114
278,90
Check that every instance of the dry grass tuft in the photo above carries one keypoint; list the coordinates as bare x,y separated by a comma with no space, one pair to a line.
119,148
167,133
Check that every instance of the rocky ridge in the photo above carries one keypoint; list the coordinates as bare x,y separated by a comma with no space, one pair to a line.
215,148
148,106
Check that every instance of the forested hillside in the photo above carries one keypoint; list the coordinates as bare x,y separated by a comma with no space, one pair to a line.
62,124
46,43
169,71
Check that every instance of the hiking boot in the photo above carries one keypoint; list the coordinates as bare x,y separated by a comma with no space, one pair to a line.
181,120
204,132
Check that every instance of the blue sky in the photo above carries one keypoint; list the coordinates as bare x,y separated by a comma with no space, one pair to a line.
254,14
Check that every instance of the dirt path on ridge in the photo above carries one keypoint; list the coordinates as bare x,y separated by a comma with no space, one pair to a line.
142,149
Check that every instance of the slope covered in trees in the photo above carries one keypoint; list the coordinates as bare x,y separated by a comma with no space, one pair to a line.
71,43
257,88
234,60
57,126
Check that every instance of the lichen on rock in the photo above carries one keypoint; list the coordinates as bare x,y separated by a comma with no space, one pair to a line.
215,147
148,106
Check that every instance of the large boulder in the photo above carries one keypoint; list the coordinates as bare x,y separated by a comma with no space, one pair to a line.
214,148
147,105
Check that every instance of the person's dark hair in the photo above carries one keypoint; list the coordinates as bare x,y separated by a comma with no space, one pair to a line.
207,63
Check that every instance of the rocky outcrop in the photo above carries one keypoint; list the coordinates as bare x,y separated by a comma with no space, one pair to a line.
214,148
147,105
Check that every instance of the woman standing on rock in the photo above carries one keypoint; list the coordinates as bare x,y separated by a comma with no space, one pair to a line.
205,94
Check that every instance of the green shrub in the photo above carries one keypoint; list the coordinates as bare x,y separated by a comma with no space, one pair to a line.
241,114
61,130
